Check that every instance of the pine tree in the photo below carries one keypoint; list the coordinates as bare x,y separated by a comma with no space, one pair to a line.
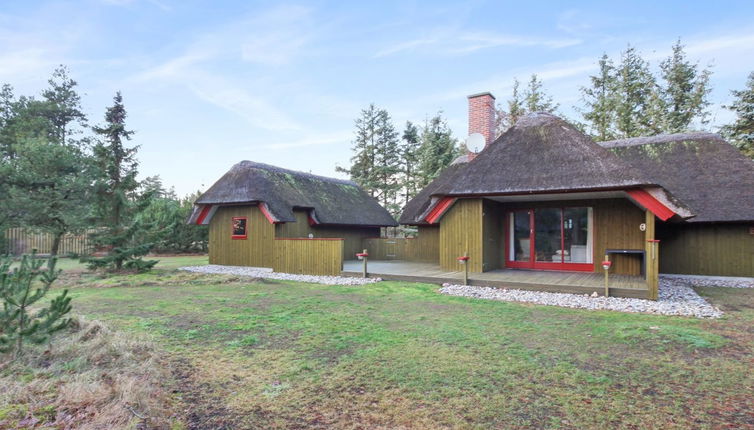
47,174
506,117
116,194
410,144
600,101
533,99
635,85
20,319
375,165
685,91
741,132
65,104
536,99
438,149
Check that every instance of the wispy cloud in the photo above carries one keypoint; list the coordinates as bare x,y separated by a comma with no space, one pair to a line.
454,42
314,140
269,39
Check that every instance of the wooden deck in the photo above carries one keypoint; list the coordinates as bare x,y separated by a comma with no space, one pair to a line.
560,282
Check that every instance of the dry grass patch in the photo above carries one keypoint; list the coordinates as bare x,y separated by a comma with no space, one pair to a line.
91,378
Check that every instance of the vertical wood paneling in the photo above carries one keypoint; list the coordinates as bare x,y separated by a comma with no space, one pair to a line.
425,247
706,249
616,226
256,251
22,241
493,236
461,233
352,235
322,257
652,255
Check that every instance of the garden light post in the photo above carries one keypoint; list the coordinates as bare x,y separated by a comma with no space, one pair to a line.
606,265
464,260
364,256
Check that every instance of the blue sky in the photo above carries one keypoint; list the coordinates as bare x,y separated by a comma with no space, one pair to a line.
210,83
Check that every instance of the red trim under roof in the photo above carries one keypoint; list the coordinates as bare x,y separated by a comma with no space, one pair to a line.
203,214
267,214
651,204
439,209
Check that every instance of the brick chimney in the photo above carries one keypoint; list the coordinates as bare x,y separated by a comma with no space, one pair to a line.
482,116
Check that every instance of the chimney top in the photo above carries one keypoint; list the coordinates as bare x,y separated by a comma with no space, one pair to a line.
482,116
485,93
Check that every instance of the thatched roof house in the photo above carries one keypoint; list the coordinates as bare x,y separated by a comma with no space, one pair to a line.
545,196
709,175
295,222
279,191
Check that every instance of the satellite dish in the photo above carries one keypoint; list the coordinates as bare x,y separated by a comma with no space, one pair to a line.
475,142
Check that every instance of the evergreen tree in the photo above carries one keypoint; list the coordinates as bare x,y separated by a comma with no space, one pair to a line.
506,117
535,98
116,195
741,132
410,144
375,164
20,319
634,100
437,150
599,100
65,104
685,91
47,175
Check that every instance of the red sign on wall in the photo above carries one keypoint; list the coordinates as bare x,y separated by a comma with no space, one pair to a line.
751,230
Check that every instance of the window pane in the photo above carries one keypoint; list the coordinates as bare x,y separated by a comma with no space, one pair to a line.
547,235
520,246
576,232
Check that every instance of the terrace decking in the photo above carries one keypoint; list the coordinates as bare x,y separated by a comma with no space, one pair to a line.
559,282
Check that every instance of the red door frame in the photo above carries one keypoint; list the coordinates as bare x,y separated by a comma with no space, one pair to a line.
532,263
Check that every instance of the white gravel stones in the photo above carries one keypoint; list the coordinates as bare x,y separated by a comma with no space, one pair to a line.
676,298
261,272
710,281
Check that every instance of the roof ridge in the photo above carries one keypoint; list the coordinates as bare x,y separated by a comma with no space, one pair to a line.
270,167
662,138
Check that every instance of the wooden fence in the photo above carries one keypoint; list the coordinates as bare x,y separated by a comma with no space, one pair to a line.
21,241
308,256
421,249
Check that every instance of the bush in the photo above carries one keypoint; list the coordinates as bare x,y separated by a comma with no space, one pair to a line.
20,289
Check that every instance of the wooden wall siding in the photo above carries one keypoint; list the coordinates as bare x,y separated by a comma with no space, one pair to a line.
308,256
653,256
706,249
460,233
256,251
493,236
616,226
352,235
21,241
426,246
423,248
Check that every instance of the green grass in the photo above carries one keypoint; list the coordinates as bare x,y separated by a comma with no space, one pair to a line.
285,354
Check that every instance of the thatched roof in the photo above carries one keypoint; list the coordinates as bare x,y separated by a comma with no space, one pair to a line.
541,153
709,175
334,201
419,204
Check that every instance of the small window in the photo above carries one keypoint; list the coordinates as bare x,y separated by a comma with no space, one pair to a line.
239,228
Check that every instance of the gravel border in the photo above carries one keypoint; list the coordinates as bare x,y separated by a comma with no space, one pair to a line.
710,281
676,297
262,272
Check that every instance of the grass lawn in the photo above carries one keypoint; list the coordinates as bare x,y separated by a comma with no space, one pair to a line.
274,354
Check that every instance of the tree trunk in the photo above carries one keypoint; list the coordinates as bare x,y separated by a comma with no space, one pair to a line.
56,244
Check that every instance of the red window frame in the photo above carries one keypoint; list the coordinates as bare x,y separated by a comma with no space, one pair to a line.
533,264
245,234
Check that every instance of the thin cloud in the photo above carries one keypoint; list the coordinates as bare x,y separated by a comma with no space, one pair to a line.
458,43
325,139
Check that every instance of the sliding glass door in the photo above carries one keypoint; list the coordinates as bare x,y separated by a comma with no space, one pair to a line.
550,239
